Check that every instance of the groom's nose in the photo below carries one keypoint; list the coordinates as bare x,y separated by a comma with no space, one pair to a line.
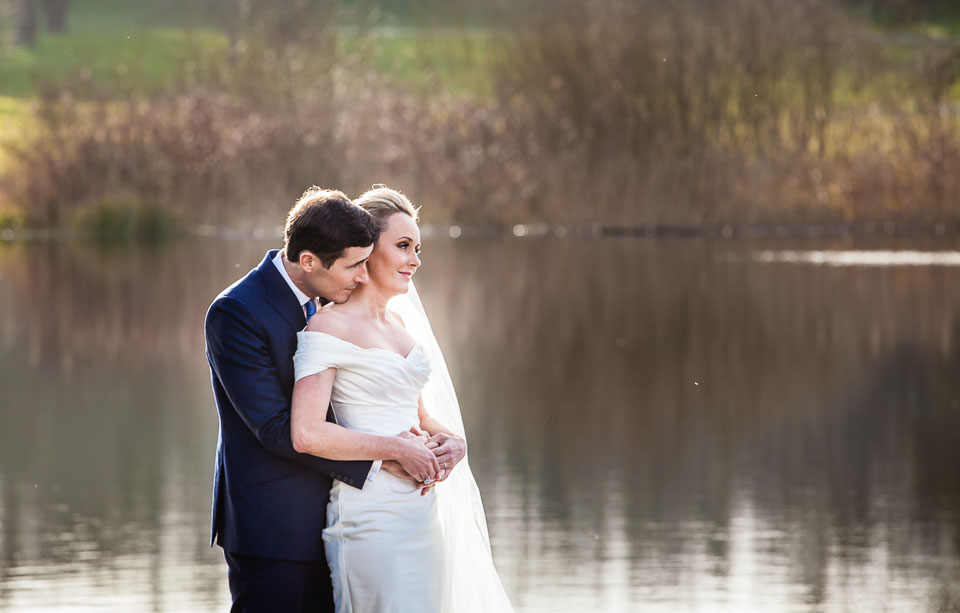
362,275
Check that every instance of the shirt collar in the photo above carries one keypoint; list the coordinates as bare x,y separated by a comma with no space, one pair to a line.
278,262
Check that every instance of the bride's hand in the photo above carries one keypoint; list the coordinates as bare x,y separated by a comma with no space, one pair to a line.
425,489
449,450
415,432
393,467
422,434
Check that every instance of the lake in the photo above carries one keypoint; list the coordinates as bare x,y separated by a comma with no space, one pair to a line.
655,425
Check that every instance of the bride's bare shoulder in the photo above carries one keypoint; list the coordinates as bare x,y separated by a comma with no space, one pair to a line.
329,320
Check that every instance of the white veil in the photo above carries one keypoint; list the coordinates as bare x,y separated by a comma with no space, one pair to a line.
475,585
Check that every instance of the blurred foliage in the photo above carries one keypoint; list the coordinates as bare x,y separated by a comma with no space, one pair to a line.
745,111
11,218
910,11
119,221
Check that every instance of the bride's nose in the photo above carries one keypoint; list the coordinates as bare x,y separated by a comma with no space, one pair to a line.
415,260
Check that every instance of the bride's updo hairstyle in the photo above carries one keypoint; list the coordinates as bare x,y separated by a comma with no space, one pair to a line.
382,202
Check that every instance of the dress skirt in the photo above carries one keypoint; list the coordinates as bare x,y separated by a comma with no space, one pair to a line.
385,548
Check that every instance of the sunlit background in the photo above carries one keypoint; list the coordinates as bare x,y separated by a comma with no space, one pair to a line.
694,267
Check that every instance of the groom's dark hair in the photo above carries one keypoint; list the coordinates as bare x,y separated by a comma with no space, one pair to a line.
327,223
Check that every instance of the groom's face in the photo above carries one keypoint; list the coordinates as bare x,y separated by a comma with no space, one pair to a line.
344,275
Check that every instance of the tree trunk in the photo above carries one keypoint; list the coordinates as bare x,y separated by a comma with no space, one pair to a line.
56,15
25,21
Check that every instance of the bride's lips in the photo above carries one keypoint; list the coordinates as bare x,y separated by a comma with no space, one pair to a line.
408,275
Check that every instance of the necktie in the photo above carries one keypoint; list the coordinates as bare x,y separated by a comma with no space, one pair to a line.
311,307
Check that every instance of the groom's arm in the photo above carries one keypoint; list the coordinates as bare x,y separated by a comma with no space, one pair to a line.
241,360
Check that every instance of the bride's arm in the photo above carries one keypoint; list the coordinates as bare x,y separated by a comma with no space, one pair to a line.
313,434
450,448
428,423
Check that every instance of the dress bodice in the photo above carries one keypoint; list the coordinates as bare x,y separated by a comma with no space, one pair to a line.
376,390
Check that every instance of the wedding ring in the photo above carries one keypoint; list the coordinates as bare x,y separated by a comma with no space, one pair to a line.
427,481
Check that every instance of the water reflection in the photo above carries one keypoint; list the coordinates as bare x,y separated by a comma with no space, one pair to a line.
864,258
655,425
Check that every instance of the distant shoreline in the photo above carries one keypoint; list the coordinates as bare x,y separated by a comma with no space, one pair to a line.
888,229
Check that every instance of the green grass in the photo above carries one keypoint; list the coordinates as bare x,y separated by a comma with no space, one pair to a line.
120,47
114,45
157,45
457,61
128,60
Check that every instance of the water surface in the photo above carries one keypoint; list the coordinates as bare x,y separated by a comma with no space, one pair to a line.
655,424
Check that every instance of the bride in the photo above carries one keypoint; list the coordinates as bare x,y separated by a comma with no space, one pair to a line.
397,544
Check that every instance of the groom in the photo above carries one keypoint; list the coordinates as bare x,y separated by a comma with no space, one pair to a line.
269,502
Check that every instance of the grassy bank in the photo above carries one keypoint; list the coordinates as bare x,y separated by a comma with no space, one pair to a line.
151,47
744,112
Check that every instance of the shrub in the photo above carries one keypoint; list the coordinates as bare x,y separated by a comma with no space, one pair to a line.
603,111
116,221
11,218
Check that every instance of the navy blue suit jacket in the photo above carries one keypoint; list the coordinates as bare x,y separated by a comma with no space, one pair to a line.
269,501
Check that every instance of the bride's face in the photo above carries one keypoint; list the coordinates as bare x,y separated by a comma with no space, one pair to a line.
396,255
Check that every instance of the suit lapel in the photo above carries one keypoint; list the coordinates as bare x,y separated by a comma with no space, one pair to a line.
278,293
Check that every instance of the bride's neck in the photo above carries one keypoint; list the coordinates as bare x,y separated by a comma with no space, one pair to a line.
370,301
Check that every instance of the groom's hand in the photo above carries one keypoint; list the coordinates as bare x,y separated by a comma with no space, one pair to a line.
392,466
410,464
449,450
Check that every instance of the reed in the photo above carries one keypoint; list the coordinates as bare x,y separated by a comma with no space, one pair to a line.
740,111
602,111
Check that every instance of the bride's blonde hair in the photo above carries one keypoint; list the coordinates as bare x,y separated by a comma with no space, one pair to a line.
382,202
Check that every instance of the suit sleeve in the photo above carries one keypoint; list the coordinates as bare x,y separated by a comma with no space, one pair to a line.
240,358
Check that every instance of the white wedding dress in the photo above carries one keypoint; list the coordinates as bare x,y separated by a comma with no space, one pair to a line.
384,543
390,549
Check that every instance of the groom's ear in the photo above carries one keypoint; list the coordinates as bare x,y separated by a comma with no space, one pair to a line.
308,260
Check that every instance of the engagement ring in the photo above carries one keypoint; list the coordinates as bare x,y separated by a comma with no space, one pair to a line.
427,481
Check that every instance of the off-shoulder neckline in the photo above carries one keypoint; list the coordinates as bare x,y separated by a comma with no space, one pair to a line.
356,346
